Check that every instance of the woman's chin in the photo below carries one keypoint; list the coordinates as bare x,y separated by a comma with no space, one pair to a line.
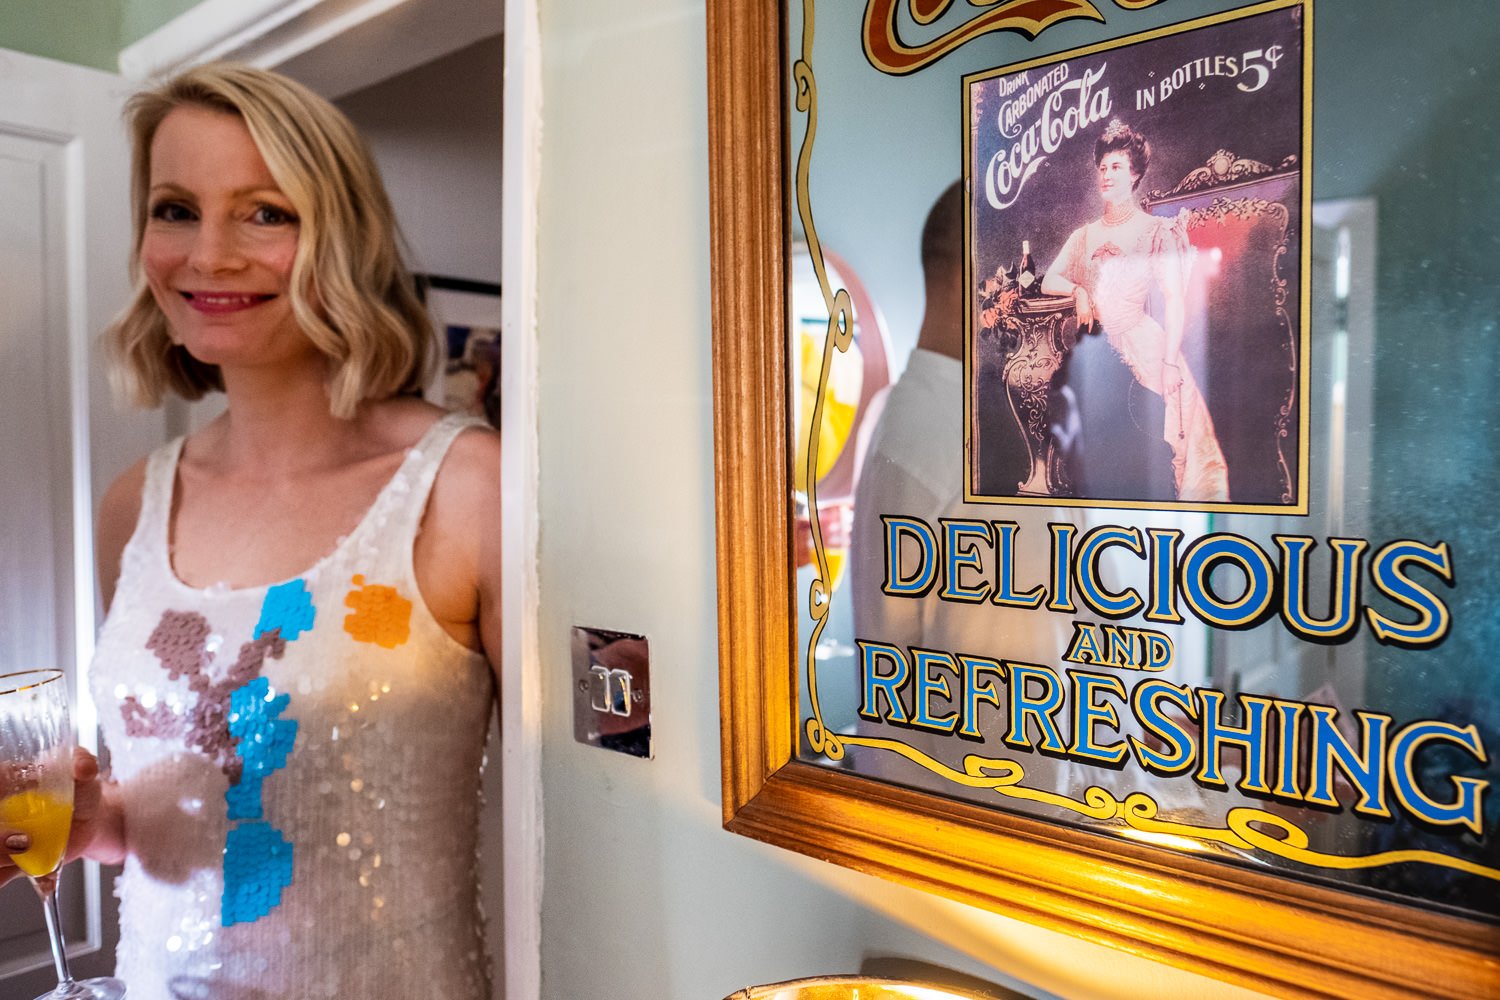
226,351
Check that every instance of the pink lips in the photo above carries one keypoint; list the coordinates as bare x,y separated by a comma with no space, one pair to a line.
220,303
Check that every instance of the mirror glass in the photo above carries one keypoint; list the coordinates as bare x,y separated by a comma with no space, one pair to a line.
1143,490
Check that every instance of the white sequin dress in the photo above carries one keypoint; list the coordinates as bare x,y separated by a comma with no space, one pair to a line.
299,766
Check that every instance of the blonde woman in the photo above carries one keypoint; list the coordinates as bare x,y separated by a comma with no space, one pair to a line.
295,674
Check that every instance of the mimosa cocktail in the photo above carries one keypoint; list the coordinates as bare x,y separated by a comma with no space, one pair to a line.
45,817
36,799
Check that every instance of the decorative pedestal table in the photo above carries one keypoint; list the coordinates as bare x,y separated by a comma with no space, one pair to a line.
1036,345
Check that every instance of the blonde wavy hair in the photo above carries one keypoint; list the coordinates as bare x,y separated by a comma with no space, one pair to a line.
351,292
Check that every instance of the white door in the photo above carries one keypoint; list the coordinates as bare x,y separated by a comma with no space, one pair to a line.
64,241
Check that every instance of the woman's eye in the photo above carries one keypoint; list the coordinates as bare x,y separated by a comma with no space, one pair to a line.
171,211
270,215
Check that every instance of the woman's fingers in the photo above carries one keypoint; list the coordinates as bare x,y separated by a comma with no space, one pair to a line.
85,765
1083,307
88,792
86,796
11,843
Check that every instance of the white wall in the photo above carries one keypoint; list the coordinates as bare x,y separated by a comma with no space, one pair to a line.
435,132
646,897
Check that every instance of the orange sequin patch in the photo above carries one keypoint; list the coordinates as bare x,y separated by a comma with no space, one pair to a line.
381,615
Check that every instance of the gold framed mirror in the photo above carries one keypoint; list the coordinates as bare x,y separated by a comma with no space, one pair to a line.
1260,904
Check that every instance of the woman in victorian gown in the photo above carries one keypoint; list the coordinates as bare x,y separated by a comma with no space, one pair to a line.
1109,267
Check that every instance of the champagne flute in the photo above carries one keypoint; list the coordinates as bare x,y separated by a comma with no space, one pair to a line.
36,798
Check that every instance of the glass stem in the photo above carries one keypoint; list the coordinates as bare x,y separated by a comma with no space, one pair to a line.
46,887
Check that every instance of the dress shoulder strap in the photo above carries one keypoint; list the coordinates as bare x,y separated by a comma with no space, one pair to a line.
405,500
146,551
156,494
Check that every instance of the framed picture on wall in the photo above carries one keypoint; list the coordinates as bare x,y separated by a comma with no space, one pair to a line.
1172,166
466,315
1195,695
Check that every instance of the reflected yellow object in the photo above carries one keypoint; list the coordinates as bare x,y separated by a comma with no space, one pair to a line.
837,559
840,403
44,817
851,988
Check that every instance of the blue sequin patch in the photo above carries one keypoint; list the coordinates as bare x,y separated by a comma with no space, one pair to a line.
257,867
257,858
289,607
264,740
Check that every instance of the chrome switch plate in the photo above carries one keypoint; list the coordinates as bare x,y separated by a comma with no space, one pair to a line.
612,690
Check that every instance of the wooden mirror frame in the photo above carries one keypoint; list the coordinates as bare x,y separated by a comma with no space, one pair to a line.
1270,933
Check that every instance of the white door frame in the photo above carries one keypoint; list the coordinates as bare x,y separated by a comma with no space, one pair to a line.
521,686
312,37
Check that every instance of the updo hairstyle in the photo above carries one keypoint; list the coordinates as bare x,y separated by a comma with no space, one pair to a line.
1121,138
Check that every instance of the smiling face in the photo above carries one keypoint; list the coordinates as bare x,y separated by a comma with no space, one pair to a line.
1115,177
219,242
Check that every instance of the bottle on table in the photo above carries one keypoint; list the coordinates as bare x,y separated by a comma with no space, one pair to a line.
1026,276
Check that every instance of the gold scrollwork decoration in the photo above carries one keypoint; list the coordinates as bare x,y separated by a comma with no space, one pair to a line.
1245,828
1224,167
839,336
888,53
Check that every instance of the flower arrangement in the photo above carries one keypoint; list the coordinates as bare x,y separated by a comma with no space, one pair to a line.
999,296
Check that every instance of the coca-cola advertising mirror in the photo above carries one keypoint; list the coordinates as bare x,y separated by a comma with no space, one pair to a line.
1101,450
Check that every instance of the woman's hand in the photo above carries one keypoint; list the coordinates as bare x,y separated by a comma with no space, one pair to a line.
1171,376
96,821
1083,307
96,813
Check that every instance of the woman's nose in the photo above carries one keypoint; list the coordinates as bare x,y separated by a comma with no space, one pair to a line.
215,249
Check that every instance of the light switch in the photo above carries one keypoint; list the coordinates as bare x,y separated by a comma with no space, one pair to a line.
612,690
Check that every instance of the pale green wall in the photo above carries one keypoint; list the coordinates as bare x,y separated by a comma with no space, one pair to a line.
646,896
86,32
141,17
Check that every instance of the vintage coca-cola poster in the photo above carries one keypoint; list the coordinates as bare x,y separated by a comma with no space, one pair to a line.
1137,272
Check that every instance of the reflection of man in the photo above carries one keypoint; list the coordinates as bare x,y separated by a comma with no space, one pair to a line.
914,460
913,465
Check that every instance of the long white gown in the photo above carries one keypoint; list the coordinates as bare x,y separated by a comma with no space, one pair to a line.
1117,266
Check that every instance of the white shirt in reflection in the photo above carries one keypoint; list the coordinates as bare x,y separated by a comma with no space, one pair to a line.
913,465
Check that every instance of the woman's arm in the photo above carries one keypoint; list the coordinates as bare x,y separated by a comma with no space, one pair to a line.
458,549
98,819
1169,267
1060,278
118,512
490,561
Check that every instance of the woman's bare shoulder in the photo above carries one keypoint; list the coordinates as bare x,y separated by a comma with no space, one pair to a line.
463,511
122,501
458,550
471,470
399,423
